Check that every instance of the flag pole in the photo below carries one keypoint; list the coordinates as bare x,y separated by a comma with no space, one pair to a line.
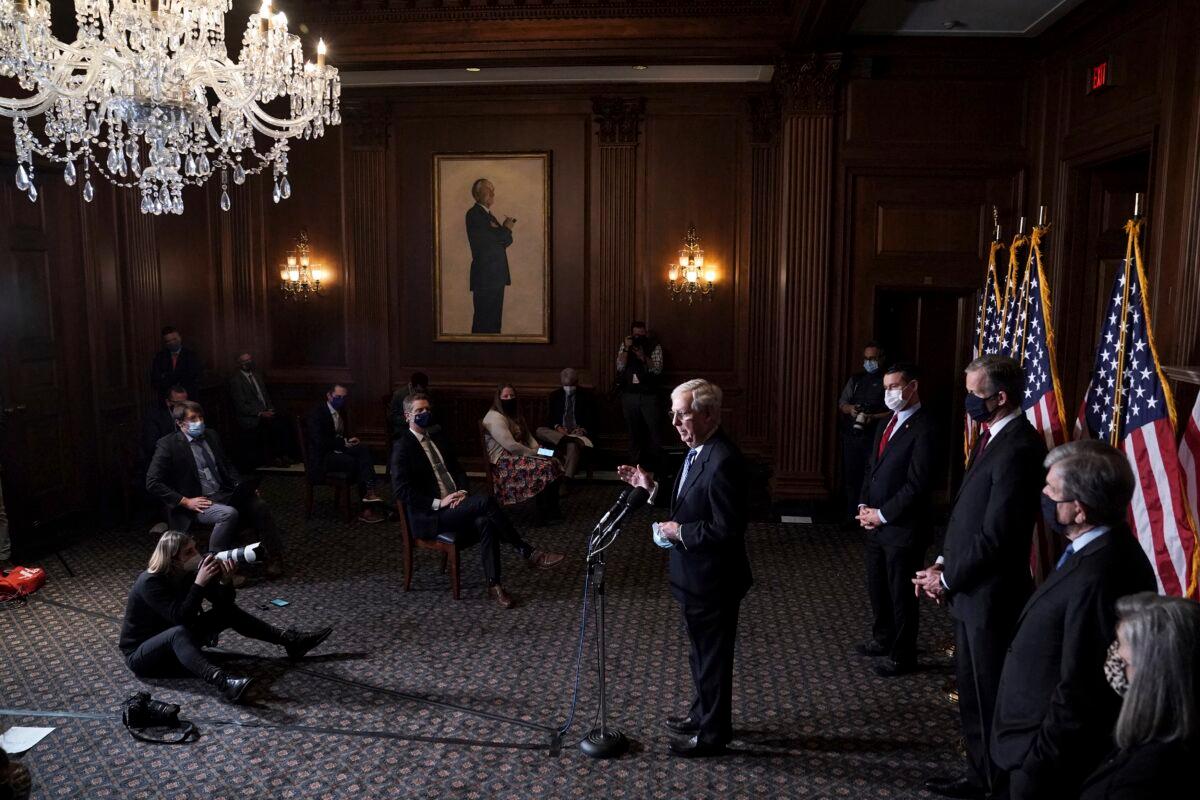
1133,227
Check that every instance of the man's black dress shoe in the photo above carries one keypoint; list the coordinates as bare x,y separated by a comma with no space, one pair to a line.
890,668
959,787
683,725
871,648
694,748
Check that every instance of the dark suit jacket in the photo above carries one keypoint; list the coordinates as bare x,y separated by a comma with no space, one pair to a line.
991,528
321,438
1154,770
186,373
710,567
489,241
246,404
173,475
585,409
900,482
414,483
1054,710
156,423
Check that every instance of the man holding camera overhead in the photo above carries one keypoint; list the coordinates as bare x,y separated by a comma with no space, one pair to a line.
165,625
197,482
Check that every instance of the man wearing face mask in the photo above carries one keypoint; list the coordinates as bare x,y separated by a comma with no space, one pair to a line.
639,367
569,422
265,433
428,481
175,365
860,408
331,448
166,625
1054,713
983,572
894,509
195,480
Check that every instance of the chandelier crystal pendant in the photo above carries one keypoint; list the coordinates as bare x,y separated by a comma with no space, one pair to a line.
148,97
689,278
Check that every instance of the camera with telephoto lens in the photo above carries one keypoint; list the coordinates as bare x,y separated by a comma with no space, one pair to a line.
860,419
142,711
250,554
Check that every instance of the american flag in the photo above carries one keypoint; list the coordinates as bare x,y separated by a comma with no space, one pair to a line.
1032,345
1129,403
1010,305
1189,459
987,335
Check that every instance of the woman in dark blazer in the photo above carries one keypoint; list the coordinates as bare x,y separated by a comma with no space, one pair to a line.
1156,666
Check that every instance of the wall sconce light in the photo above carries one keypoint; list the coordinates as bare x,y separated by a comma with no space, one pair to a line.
300,278
690,277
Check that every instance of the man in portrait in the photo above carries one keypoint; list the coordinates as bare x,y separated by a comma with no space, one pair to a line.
489,240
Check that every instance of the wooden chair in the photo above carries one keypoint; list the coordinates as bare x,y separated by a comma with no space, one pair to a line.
339,481
444,544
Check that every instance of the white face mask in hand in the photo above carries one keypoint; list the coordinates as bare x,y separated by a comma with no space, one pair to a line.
894,399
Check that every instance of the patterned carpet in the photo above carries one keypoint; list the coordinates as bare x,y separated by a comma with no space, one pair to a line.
378,710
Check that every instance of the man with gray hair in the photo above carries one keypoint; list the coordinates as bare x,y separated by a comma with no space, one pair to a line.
709,571
569,422
489,239
1054,712
983,572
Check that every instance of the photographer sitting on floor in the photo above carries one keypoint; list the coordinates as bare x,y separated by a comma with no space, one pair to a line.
165,628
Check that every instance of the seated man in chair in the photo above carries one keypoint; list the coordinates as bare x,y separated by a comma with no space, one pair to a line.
427,478
193,477
569,422
332,448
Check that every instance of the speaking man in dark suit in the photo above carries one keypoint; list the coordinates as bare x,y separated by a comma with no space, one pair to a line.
427,479
983,572
709,570
1054,711
195,480
175,365
489,240
894,510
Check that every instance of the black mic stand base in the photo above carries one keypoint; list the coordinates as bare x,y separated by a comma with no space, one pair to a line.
604,743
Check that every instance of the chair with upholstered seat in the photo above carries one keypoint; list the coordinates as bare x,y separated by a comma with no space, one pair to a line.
444,544
338,481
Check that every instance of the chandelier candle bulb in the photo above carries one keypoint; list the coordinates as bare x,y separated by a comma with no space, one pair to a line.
321,54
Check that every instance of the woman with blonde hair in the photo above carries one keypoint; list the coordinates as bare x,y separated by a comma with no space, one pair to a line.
1156,667
519,472
165,625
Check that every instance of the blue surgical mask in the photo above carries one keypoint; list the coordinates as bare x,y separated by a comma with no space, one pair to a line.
423,419
195,428
871,365
337,401
977,407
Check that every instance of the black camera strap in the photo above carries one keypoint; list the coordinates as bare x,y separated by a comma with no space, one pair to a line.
188,731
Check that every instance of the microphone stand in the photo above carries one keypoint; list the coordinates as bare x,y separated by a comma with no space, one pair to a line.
602,741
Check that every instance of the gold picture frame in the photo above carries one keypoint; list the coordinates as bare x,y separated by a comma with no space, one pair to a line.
471,258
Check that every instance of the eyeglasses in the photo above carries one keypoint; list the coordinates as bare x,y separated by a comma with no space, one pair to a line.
685,416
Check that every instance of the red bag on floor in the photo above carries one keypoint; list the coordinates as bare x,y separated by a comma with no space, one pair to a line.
21,581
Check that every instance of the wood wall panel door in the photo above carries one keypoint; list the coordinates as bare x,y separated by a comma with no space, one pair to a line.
41,363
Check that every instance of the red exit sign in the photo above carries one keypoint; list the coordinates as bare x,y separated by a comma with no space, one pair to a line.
1099,76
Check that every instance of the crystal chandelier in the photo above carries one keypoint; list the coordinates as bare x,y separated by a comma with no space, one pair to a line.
300,279
148,97
684,279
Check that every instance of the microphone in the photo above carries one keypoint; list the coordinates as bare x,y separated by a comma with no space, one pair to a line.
615,507
636,499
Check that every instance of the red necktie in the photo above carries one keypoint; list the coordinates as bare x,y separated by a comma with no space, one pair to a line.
887,434
174,361
979,445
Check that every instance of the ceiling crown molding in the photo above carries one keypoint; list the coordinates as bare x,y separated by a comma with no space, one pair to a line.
367,11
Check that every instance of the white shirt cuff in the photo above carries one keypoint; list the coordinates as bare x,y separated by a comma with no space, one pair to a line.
436,504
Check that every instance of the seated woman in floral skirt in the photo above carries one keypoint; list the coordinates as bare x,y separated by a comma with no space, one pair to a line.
520,473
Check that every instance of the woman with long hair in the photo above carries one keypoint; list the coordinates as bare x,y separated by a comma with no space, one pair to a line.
165,624
520,473
1155,665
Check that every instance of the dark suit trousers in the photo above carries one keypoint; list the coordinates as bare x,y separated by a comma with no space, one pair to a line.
355,462
489,310
712,630
177,649
480,519
979,657
643,421
893,603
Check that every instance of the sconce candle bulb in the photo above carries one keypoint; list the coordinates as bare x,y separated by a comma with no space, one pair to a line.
685,280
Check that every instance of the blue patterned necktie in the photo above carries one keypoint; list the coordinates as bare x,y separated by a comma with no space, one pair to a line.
687,465
1070,551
